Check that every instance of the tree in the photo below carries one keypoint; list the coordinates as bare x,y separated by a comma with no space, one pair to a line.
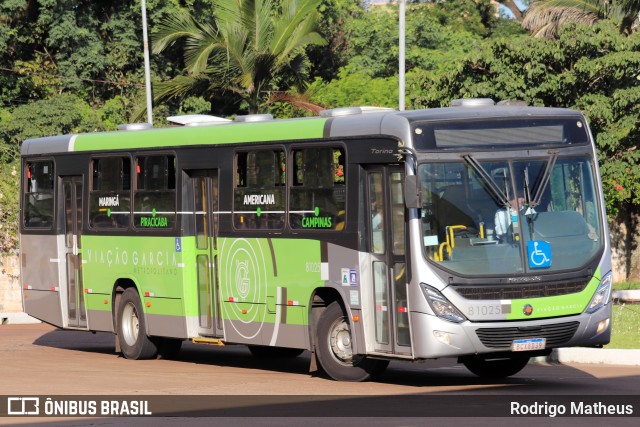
544,17
436,33
249,49
335,16
353,89
62,114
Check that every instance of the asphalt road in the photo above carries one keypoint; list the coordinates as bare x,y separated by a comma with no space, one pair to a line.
37,359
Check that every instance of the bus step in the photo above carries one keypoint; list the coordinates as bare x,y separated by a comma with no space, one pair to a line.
210,341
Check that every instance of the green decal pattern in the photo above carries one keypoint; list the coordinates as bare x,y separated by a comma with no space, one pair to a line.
251,273
563,305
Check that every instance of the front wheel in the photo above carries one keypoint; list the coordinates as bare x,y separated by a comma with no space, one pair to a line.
495,368
134,342
334,350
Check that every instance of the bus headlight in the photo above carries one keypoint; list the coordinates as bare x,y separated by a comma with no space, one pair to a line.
441,306
602,295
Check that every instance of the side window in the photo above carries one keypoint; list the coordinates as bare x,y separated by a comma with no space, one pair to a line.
110,195
154,199
259,194
317,196
38,194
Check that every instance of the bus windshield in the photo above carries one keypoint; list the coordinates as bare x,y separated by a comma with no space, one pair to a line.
504,217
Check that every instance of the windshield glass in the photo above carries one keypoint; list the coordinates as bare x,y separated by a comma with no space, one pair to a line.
510,216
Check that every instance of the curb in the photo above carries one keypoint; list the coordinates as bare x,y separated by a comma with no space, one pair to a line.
20,318
626,296
597,356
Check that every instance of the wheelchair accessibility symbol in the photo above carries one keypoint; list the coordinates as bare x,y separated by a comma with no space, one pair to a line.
539,254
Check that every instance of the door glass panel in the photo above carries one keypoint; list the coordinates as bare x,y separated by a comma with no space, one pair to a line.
68,214
397,212
78,233
203,290
202,231
402,311
71,286
381,302
78,229
78,271
376,201
213,208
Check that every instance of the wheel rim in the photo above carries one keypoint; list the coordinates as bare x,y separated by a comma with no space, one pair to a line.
130,324
340,342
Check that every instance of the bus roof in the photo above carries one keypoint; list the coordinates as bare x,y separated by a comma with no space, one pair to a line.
386,122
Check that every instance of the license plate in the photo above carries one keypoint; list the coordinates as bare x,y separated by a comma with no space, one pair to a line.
528,344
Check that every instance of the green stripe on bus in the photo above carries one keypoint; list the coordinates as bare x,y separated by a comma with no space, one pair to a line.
215,134
563,305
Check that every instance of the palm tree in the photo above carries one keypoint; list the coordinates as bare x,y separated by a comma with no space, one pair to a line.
544,17
250,48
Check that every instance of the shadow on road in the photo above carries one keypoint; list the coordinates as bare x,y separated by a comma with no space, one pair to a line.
438,389
556,379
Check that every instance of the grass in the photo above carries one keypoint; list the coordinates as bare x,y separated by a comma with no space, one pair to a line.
625,329
626,286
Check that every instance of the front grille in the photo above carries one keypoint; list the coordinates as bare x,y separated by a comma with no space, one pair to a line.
520,291
555,334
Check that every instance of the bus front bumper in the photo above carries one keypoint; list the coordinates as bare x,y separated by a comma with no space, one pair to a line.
434,337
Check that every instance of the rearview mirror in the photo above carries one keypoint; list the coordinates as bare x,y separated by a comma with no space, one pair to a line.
412,192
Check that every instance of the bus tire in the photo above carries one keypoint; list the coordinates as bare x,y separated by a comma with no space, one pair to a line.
334,350
265,352
168,348
495,368
134,342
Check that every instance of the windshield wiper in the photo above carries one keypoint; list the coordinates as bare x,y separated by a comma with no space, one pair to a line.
496,192
544,181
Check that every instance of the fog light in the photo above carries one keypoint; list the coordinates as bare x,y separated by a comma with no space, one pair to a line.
443,337
602,326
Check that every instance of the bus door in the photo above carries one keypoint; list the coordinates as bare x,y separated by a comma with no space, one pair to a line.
72,203
386,220
205,211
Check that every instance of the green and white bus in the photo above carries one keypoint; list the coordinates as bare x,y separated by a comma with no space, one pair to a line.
363,235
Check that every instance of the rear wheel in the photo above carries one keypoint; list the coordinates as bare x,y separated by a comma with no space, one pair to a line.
265,352
495,368
134,342
334,349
